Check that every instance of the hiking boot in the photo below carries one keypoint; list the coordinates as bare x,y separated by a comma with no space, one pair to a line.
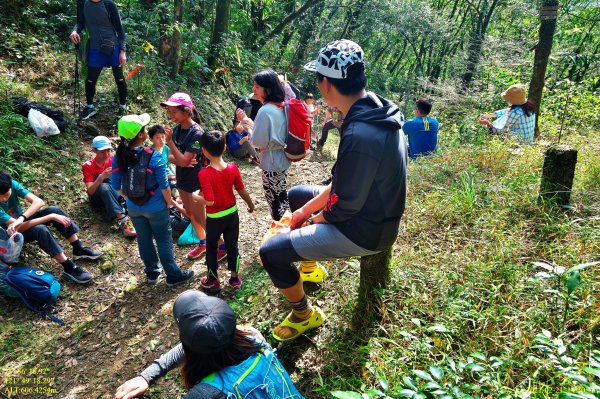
152,280
235,282
187,276
312,271
197,252
87,112
221,254
86,253
122,109
212,286
127,228
77,275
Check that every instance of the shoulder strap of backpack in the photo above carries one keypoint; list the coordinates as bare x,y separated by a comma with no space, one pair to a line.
147,154
108,11
27,302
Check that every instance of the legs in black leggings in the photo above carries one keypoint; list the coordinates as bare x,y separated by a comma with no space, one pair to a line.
92,79
325,132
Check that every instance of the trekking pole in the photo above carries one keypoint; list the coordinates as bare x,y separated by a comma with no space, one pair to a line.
76,96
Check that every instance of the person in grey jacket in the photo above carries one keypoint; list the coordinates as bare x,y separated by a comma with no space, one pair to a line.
359,212
106,48
270,132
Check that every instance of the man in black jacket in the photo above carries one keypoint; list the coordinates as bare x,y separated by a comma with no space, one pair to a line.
359,212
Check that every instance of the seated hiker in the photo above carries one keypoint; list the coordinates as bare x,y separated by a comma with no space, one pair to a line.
518,120
359,212
96,177
33,221
422,131
214,353
238,144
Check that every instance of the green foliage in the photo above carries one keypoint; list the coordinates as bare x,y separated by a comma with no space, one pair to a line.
566,281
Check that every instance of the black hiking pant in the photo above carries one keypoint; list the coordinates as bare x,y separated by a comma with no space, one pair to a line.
229,226
325,132
92,79
42,234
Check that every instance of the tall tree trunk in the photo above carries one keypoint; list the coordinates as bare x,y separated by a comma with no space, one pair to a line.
287,36
548,14
308,32
287,20
288,8
175,53
354,18
220,28
148,4
164,49
476,41
201,11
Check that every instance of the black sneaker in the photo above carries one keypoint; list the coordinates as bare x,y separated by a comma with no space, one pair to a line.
87,112
187,276
77,275
152,280
86,253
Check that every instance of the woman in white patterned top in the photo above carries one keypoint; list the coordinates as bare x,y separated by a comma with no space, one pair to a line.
517,120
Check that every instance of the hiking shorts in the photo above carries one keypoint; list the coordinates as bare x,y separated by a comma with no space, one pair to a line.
97,59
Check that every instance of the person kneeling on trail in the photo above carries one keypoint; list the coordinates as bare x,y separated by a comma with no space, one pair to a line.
96,177
32,223
359,212
219,358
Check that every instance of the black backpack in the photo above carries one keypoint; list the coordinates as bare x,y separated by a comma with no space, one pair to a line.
134,178
25,106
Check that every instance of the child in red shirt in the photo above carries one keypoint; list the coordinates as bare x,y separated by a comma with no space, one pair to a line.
217,182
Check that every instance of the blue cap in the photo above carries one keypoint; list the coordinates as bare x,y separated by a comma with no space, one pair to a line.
101,143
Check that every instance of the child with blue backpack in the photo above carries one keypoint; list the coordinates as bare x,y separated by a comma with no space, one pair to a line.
148,205
219,358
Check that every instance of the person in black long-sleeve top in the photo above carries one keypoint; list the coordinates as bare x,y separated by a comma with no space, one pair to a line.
106,48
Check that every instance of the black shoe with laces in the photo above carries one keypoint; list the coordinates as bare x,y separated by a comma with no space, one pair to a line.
77,275
187,276
87,112
86,253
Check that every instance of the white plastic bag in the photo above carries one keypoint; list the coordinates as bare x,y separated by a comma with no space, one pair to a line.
42,124
10,246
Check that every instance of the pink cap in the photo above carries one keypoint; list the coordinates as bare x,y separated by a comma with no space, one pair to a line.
178,99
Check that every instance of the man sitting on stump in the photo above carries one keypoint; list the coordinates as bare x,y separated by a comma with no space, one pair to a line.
359,212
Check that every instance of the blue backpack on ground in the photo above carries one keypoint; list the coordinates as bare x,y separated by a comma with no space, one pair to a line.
260,376
37,289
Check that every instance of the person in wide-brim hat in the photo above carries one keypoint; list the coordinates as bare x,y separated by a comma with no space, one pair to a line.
518,120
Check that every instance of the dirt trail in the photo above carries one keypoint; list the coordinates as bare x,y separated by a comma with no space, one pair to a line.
118,324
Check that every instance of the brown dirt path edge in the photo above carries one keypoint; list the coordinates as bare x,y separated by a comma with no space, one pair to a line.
117,324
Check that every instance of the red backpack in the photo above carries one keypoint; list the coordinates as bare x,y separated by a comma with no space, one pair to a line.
298,138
